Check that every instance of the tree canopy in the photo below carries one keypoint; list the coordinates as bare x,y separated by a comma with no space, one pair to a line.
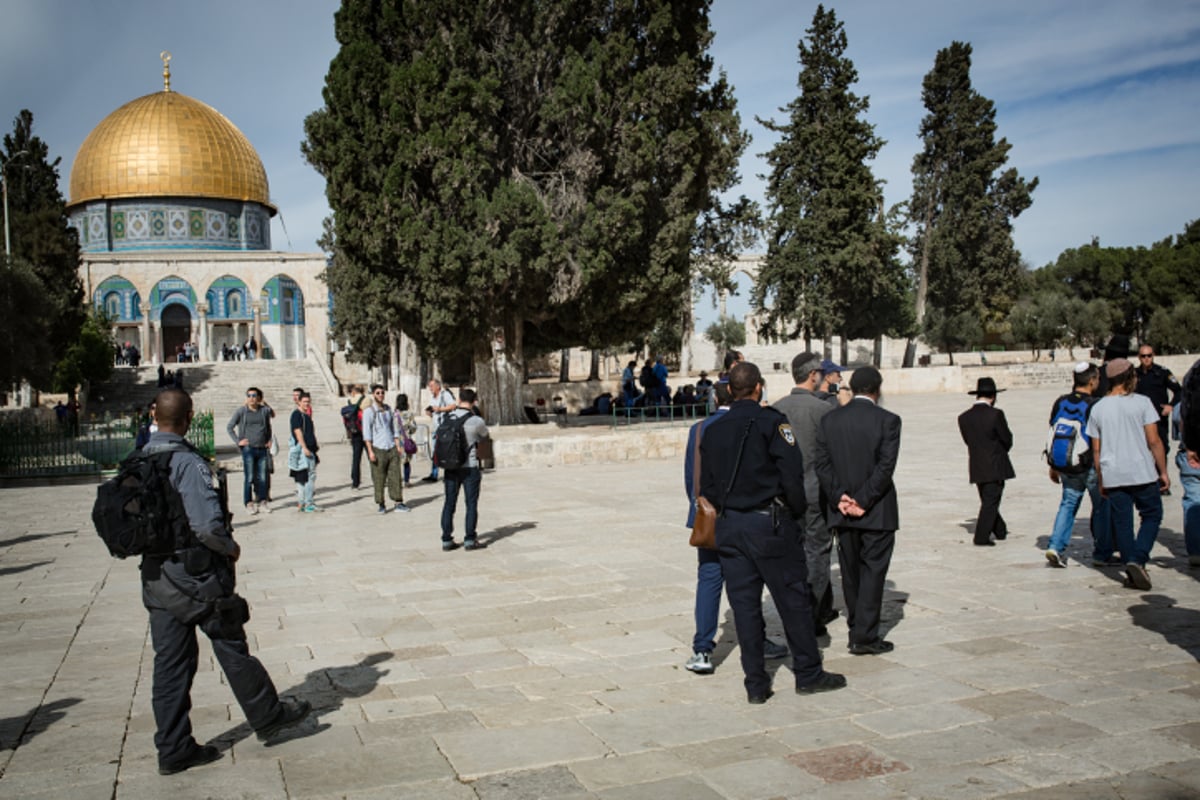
831,264
45,256
962,204
516,174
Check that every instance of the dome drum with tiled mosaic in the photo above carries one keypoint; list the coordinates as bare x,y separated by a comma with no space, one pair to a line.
166,171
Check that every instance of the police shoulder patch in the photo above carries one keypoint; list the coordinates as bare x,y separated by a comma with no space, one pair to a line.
785,430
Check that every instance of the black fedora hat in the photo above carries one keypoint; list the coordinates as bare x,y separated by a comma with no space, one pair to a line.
985,387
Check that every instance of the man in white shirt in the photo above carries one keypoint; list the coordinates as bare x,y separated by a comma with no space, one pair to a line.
441,402
1131,466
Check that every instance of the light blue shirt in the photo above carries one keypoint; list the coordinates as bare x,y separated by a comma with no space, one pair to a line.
379,427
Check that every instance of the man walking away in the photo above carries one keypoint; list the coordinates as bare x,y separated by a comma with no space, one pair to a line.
250,429
858,445
382,441
193,588
1070,413
985,431
1131,467
468,475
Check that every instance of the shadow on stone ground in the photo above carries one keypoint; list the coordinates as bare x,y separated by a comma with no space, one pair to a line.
327,689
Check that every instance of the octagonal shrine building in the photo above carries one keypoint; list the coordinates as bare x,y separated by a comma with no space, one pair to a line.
173,211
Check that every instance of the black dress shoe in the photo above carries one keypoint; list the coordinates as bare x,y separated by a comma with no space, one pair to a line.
877,647
988,543
291,712
759,699
828,682
200,755
1001,537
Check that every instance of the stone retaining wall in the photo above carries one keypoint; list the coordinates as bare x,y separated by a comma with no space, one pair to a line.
638,442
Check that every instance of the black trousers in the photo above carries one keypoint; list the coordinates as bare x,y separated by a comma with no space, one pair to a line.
356,454
755,550
989,520
176,655
864,557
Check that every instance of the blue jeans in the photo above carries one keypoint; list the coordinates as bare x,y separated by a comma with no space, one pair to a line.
254,467
709,581
1121,502
1073,488
305,491
1189,477
470,479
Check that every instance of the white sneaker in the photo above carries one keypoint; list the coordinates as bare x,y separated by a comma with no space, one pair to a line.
251,509
264,506
700,663
1056,559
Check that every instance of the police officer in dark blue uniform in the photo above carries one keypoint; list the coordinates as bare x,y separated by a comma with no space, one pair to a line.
753,473
1156,382
194,588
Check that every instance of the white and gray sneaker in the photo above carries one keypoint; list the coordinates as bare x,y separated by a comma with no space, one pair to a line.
1056,558
264,506
251,509
700,663
401,509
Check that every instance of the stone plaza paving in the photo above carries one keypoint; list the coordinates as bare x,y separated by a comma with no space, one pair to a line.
550,664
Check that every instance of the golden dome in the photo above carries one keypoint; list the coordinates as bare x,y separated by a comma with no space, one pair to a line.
167,145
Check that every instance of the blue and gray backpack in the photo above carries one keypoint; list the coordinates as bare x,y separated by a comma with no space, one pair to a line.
1068,448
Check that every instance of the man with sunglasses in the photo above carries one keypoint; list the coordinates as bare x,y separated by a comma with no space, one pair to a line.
1156,382
250,429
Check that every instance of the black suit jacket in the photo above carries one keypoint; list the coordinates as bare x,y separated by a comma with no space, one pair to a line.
985,430
857,448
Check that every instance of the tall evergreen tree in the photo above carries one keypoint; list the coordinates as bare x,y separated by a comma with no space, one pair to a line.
43,241
831,254
962,205
516,175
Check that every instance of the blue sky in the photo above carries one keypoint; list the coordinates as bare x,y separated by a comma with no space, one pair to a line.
1098,98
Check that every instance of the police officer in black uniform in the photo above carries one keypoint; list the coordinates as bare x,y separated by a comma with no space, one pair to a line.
1156,382
752,472
194,588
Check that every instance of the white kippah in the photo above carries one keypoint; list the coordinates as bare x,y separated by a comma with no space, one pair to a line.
1082,366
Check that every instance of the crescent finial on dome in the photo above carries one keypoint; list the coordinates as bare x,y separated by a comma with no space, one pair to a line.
165,55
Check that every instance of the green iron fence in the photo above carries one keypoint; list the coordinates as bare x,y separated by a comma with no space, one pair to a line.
39,448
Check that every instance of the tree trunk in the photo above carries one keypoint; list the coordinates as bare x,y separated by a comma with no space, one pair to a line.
845,350
827,348
564,365
688,327
879,351
910,349
408,381
594,370
499,376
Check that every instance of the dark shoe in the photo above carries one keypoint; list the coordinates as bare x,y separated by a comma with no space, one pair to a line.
1111,561
828,617
205,754
759,699
1000,537
773,650
988,543
875,648
1137,576
450,545
473,544
291,712
828,682
429,479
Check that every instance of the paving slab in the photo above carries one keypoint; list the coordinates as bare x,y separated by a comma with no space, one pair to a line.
551,662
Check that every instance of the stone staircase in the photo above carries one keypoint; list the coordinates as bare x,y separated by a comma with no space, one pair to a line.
219,386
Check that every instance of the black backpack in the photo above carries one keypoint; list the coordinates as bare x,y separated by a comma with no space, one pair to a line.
351,419
450,450
138,512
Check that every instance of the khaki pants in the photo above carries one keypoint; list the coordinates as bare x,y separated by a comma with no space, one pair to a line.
387,469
